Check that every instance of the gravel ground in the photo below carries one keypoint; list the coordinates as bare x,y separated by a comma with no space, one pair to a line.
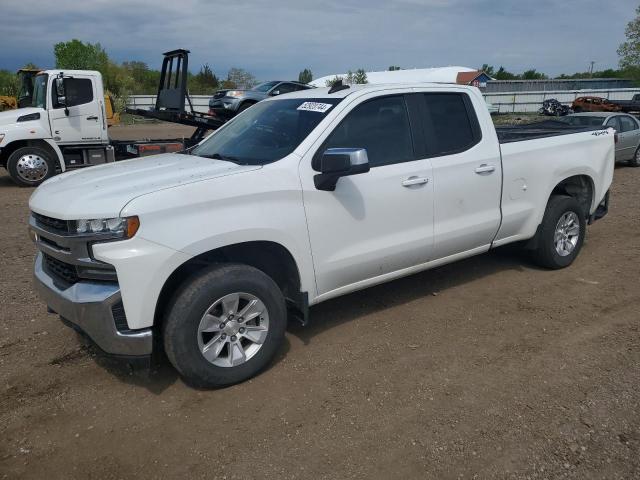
487,368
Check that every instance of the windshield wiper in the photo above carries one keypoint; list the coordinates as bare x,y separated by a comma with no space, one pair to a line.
226,158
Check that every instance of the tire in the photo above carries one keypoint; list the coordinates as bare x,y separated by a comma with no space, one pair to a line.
561,210
244,106
577,110
30,166
635,161
189,334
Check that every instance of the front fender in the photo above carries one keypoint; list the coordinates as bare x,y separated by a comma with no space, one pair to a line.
259,205
36,130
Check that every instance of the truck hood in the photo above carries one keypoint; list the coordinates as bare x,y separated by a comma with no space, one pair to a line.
102,191
11,116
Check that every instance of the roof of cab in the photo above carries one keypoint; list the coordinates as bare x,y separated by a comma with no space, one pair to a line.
366,88
72,72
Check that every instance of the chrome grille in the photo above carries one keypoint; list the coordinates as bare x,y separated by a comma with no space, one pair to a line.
67,256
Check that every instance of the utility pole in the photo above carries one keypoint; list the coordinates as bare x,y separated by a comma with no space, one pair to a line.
591,69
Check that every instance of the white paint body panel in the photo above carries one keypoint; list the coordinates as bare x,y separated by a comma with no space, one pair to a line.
534,167
368,231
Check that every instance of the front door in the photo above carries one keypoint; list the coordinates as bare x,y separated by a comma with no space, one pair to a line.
627,138
377,222
82,121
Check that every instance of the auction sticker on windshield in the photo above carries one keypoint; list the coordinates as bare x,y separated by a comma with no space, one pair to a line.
315,107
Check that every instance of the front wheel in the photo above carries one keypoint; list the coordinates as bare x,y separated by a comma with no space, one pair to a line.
635,161
30,166
561,233
224,325
244,107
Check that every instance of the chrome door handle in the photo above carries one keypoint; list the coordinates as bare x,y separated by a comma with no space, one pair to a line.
414,181
93,117
484,168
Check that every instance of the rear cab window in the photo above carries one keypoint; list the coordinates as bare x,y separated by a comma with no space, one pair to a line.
449,123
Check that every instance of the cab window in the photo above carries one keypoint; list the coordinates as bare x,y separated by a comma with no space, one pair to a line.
450,123
627,124
79,91
613,123
381,126
285,88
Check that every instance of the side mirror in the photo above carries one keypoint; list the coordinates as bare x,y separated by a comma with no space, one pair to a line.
340,162
59,82
275,93
61,93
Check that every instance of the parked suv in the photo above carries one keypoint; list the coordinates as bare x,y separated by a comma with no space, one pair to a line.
228,103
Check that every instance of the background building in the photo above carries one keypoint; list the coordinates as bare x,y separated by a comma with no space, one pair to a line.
497,86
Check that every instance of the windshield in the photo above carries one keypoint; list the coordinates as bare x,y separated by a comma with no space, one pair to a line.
266,132
265,87
39,92
583,121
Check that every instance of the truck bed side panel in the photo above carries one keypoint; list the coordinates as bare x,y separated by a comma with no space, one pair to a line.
533,168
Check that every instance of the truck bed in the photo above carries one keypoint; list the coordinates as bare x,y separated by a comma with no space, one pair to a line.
546,128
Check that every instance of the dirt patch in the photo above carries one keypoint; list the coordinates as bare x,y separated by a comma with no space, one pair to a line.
508,372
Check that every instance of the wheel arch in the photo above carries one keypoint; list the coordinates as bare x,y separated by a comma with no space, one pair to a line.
270,257
47,145
581,187
246,103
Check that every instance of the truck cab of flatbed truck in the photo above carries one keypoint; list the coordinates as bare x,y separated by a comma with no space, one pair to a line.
65,127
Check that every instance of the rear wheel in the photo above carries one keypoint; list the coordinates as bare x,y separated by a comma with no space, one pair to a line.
562,233
30,166
224,325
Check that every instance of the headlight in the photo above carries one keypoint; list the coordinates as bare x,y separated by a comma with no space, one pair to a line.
234,93
125,227
1,137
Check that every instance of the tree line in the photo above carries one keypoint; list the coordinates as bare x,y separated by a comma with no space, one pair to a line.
129,77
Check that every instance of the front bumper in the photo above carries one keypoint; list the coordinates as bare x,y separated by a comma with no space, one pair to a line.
224,107
87,305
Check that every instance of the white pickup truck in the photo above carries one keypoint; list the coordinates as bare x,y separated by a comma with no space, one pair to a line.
302,198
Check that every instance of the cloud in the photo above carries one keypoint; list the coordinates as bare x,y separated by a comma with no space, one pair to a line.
278,39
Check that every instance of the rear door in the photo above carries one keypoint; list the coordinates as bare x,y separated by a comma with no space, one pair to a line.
82,120
467,173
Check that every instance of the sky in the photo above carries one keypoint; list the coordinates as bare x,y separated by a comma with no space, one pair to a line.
276,39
